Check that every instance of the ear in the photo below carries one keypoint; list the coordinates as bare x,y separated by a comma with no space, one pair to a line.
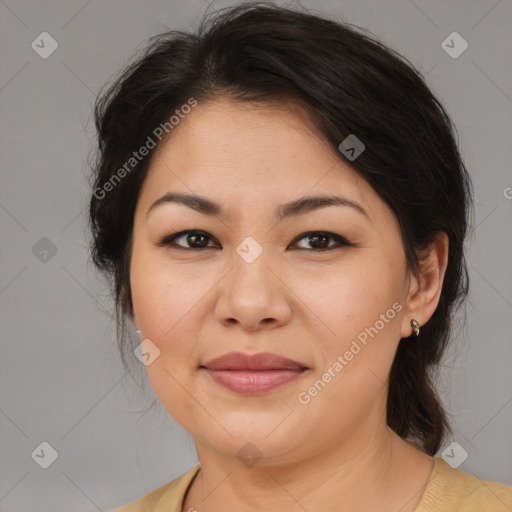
425,290
134,321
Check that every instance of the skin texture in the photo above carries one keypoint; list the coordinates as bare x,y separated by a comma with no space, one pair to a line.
307,305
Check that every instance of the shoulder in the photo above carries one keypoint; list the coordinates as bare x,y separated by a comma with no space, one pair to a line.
166,498
450,489
490,496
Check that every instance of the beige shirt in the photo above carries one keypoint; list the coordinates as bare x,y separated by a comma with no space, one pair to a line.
447,490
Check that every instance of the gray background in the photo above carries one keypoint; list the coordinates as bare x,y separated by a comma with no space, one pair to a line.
60,376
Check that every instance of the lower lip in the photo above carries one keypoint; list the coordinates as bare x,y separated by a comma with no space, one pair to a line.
253,382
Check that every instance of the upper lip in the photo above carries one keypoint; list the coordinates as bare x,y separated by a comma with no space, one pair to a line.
260,361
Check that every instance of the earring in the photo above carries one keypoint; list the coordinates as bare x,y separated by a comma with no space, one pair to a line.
415,327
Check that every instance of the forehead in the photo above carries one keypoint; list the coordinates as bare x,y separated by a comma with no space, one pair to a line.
253,153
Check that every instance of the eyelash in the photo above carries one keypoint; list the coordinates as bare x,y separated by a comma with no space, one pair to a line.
169,240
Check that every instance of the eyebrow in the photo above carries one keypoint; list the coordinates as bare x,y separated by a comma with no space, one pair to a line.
298,207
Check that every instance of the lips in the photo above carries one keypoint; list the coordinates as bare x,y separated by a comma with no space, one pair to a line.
255,362
253,374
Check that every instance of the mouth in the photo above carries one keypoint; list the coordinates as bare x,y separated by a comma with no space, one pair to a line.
253,374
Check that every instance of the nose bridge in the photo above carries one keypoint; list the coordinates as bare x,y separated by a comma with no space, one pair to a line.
251,264
251,277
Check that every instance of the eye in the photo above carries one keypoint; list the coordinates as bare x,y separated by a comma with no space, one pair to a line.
195,238
320,239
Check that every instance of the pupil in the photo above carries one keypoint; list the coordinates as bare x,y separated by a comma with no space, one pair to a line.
195,237
324,239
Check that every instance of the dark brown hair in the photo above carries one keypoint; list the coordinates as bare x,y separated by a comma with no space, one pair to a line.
349,83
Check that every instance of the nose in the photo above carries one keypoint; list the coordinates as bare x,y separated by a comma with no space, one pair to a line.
253,296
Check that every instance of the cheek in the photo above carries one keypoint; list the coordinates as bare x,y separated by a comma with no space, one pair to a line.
163,301
163,294
349,298
358,311
355,340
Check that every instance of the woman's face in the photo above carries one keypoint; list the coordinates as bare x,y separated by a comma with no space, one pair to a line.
255,282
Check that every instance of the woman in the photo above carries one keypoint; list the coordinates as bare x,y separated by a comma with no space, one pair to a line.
281,205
